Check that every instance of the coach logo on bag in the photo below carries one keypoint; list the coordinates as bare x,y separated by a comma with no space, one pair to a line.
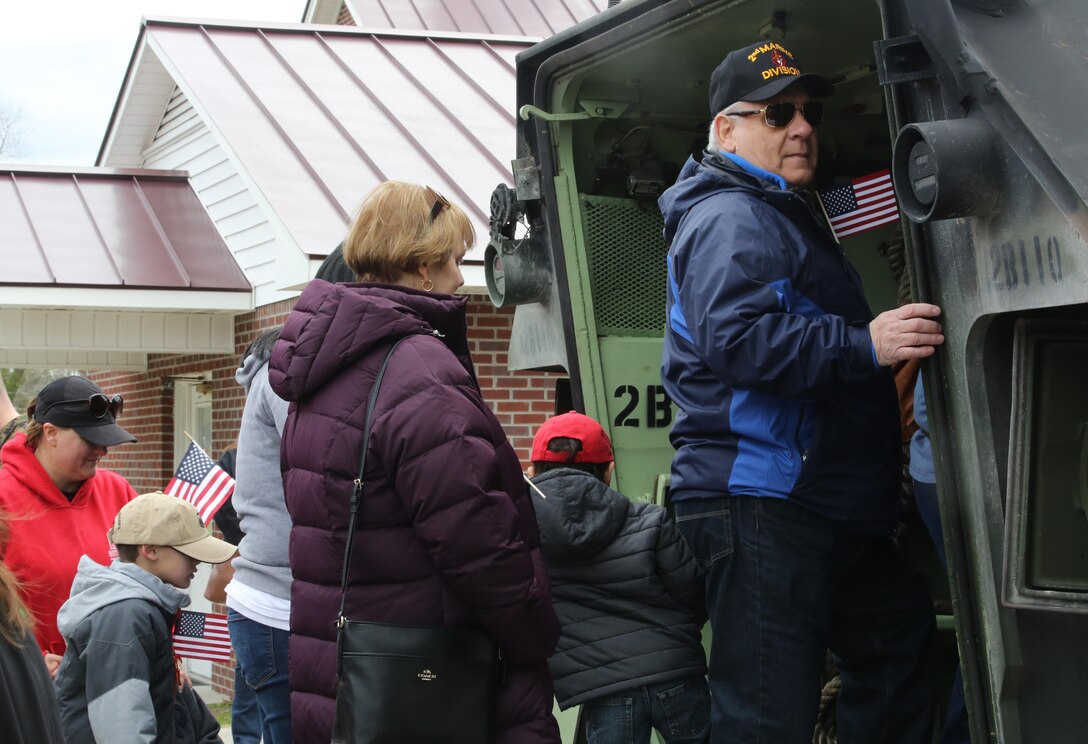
427,676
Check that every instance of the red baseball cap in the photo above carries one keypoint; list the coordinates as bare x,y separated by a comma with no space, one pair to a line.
596,447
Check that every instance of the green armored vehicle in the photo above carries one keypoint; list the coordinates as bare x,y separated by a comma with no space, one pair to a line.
979,108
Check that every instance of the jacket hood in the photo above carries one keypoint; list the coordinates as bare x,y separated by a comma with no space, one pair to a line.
97,586
250,365
336,324
713,174
21,464
580,517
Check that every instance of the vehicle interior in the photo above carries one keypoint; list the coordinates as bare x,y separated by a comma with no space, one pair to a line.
643,97
618,104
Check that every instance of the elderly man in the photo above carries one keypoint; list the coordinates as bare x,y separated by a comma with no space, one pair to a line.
786,474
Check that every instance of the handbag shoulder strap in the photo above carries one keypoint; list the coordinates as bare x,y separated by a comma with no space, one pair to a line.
357,491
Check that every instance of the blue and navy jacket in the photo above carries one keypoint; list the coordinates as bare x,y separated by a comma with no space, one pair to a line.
768,354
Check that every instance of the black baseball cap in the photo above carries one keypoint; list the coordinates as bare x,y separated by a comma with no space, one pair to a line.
66,402
760,71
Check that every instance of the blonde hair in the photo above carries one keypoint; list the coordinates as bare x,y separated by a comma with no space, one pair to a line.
393,233
15,620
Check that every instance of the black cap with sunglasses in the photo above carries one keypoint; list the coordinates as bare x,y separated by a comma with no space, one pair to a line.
760,71
77,403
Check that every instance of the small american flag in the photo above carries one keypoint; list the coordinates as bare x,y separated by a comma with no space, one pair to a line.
865,203
199,635
201,482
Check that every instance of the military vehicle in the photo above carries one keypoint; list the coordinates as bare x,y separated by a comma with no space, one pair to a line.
979,108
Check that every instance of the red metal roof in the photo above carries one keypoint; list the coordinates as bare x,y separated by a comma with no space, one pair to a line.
509,17
109,227
316,116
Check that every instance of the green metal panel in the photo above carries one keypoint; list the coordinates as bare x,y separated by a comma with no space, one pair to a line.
626,252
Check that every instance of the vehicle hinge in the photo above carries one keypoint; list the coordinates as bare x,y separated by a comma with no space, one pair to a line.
901,60
526,178
594,109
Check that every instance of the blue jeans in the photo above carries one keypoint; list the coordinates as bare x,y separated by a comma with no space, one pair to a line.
262,658
679,710
785,584
956,730
246,726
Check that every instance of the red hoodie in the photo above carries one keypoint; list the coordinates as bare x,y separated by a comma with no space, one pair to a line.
49,533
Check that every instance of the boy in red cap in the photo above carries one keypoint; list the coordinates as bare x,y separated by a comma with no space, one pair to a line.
627,592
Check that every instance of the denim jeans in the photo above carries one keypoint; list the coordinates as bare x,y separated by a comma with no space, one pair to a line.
246,726
784,584
956,730
679,710
262,658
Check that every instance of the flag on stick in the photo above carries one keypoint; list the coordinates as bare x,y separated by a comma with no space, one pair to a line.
863,204
200,635
201,482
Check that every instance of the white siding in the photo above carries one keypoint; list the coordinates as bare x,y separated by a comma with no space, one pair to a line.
184,142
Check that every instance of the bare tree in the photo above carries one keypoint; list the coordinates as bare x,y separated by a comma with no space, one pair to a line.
10,130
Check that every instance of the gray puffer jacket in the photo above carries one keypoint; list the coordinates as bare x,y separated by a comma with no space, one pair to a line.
625,587
116,682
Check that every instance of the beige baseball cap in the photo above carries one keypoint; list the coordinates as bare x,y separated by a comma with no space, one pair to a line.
159,519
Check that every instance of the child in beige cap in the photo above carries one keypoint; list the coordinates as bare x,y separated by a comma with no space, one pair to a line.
118,680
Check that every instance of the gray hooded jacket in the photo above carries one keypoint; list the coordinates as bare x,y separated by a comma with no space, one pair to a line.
626,588
262,562
117,679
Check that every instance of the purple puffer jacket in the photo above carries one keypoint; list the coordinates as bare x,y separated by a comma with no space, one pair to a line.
447,534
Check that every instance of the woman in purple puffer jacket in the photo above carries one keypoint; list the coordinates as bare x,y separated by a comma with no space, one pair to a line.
447,534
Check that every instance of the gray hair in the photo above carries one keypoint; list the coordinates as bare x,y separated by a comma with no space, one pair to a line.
712,143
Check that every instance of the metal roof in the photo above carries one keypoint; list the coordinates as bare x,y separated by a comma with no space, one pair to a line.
538,18
109,228
315,116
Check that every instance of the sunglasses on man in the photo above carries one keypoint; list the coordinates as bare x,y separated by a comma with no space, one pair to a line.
779,115
99,403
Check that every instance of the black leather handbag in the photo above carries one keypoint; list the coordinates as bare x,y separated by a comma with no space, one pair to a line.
400,684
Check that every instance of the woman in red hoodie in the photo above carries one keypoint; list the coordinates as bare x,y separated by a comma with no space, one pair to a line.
58,502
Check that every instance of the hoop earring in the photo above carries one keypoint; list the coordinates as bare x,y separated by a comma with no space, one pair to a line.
427,285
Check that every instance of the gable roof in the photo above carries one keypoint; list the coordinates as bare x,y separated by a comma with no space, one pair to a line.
109,228
315,116
102,267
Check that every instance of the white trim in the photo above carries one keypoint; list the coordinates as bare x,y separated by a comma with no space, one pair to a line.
112,331
475,281
66,359
127,299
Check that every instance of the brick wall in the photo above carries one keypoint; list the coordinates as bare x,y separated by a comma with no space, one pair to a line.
521,401
149,399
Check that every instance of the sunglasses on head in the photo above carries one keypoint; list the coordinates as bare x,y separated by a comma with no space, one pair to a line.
99,403
778,115
439,202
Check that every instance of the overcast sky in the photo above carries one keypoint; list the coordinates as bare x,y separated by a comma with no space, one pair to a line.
62,64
